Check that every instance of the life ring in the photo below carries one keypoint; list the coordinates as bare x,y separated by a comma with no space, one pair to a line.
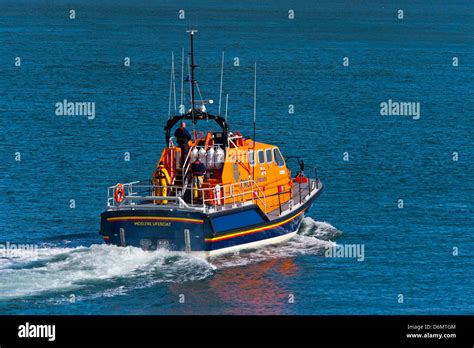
119,194
217,194
213,196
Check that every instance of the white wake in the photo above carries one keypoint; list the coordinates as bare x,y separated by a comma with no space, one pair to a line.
113,270
68,269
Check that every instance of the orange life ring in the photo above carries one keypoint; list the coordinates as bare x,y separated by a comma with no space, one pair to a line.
119,194
213,198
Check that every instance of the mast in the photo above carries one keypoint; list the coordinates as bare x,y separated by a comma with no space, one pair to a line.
194,114
193,66
181,106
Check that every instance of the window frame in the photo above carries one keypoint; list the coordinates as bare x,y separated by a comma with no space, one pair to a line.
252,158
281,156
261,152
271,155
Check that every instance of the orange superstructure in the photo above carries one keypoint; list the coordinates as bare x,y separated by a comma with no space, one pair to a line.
244,160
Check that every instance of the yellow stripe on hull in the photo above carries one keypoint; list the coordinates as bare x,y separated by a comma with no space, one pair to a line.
237,234
155,218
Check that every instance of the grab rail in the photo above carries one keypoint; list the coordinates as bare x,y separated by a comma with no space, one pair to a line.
251,186
137,193
187,165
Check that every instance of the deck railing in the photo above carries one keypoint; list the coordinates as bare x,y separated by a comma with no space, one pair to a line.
145,193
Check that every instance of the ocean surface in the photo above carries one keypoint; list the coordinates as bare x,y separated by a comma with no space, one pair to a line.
418,259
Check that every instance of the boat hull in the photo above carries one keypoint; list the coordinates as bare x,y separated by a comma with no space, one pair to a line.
203,234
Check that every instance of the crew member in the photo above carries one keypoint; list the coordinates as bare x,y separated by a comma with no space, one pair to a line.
182,137
198,169
162,180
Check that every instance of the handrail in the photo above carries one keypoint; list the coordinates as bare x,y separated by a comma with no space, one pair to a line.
264,196
242,193
184,166
230,141
160,198
187,165
137,192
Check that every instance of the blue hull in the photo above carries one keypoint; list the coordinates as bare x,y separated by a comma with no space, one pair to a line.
197,232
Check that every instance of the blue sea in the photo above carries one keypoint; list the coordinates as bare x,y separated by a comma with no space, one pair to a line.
418,252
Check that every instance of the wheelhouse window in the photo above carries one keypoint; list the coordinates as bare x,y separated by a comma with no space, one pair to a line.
269,155
278,157
252,158
261,157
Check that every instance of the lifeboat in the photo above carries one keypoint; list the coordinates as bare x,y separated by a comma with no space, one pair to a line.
245,198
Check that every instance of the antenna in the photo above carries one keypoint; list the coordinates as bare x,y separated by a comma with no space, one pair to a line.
171,89
255,96
220,90
174,80
226,103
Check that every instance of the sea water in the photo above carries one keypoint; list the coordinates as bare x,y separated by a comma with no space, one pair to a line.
398,188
